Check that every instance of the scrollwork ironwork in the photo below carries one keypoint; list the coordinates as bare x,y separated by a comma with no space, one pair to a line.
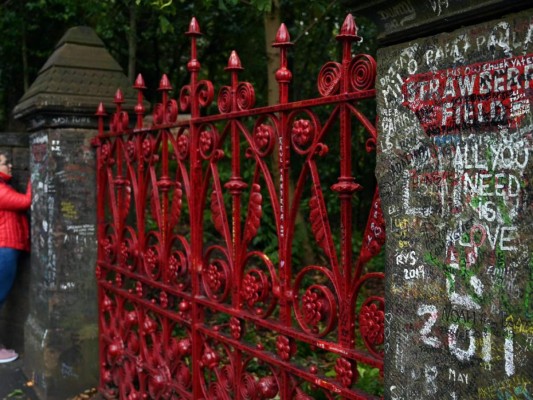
202,290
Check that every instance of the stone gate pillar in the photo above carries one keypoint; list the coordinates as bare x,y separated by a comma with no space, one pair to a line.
60,337
455,172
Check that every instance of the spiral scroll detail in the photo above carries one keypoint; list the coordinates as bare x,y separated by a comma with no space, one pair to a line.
362,72
329,79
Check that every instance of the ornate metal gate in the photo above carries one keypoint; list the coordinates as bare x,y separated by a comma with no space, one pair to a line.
204,291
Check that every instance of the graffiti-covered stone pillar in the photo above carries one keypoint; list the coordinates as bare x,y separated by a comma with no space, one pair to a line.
60,338
455,174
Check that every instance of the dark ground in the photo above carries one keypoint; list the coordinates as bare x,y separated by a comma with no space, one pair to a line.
15,386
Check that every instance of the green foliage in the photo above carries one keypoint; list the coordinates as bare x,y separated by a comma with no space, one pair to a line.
33,27
15,394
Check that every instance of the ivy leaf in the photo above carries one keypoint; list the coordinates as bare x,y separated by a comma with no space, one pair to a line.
222,5
165,25
263,5
16,393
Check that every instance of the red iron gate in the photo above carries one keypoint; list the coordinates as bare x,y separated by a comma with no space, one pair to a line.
203,291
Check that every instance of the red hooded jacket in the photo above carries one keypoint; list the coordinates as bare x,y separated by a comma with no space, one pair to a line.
14,231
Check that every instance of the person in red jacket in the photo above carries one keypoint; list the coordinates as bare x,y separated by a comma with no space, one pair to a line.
14,236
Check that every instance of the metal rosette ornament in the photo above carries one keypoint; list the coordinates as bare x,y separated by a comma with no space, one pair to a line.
208,142
316,306
371,317
258,286
182,144
264,136
216,274
178,270
304,132
148,146
372,324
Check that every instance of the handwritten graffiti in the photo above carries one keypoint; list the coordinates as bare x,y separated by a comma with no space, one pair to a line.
456,138
486,94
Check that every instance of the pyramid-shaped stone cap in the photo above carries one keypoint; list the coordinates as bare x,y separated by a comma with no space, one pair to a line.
76,78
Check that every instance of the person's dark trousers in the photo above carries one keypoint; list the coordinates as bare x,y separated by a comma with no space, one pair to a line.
8,270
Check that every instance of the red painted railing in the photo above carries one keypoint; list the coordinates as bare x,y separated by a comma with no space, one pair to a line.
203,293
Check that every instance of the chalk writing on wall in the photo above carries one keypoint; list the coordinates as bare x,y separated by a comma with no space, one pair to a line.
454,169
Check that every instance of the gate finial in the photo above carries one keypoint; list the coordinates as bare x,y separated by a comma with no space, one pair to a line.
194,31
283,38
234,62
119,98
139,107
100,113
349,30
194,28
164,83
283,74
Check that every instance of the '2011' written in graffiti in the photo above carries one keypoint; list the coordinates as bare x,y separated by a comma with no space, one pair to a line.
468,302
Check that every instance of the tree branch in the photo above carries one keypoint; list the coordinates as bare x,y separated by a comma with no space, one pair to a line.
6,3
316,21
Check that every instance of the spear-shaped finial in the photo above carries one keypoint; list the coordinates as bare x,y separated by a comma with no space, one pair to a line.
139,107
100,113
139,83
234,62
283,39
164,83
119,97
349,30
283,74
194,28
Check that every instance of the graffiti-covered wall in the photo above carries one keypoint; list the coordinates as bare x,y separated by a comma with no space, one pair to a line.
455,171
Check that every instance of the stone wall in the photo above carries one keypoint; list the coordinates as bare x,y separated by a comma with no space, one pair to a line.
400,20
455,174
16,308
